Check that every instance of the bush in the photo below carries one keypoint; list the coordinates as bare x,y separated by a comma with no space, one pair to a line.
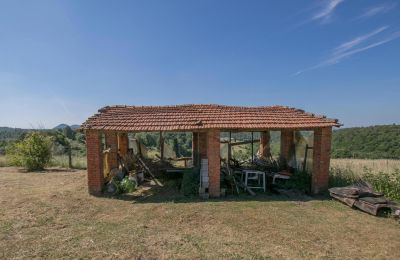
300,180
386,182
339,177
32,153
190,182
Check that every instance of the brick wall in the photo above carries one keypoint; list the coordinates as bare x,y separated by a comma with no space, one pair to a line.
321,159
94,162
287,141
112,144
214,164
264,144
123,143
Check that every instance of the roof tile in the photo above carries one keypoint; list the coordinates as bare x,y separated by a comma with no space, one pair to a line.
192,117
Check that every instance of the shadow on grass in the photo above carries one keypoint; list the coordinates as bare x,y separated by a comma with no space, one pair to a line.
170,195
50,170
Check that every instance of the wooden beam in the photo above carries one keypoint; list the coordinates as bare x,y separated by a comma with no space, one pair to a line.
161,147
252,146
240,143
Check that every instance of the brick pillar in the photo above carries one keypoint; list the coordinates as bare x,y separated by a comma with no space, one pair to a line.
214,163
94,156
287,142
203,145
123,143
265,150
112,144
195,148
321,159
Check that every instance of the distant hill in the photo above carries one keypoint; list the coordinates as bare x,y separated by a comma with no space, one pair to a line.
373,142
9,133
62,126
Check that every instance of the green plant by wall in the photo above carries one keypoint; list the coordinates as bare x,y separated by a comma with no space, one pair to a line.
190,182
32,153
300,180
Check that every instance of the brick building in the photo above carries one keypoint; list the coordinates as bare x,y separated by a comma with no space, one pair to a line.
206,122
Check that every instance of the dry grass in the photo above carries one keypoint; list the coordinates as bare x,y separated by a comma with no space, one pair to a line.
357,166
78,162
50,215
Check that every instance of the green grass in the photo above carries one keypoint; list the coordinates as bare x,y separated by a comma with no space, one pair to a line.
3,161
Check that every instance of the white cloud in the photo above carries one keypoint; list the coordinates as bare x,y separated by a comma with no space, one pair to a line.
325,13
357,41
380,9
347,49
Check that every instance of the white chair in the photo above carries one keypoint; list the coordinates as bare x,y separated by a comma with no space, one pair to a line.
279,176
254,175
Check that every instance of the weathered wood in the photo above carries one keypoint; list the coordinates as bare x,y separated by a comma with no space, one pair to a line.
161,147
229,149
240,143
252,146
149,172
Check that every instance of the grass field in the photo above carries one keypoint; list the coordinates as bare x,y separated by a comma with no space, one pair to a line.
357,166
50,215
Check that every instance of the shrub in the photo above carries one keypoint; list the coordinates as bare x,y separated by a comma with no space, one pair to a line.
386,182
190,182
32,153
300,180
339,177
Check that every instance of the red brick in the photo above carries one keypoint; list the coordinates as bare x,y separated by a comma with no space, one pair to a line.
321,159
94,162
214,163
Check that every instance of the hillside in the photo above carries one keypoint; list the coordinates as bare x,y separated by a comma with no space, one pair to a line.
373,142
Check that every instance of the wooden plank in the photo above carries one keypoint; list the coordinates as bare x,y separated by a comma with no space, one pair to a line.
149,171
241,142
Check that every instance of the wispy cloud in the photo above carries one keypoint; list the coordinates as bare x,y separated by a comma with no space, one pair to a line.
325,13
349,48
375,10
356,41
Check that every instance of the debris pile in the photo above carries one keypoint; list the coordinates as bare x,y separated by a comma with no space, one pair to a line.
361,195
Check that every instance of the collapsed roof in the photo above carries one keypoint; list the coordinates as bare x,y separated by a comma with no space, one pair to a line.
198,117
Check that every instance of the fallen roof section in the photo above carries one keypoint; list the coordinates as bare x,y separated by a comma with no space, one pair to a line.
198,117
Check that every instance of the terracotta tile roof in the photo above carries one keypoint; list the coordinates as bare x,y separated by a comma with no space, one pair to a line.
195,117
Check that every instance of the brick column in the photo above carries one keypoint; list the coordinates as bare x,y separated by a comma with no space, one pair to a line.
195,149
214,164
123,143
112,144
94,156
264,144
203,145
321,159
287,142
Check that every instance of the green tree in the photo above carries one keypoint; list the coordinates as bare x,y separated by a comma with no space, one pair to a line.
32,153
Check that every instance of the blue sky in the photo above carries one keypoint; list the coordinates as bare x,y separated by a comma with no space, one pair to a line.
62,60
